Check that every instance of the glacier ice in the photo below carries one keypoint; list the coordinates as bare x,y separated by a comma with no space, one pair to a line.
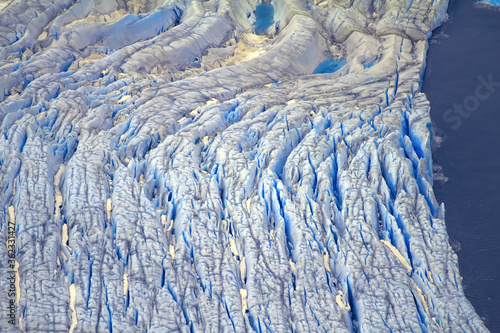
167,169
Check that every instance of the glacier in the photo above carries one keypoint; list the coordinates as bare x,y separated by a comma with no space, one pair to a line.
166,168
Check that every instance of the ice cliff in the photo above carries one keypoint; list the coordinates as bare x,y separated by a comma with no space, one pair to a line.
165,168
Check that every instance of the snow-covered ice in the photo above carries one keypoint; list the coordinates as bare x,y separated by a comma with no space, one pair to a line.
167,169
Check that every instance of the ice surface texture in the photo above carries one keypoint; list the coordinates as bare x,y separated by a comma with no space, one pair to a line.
169,170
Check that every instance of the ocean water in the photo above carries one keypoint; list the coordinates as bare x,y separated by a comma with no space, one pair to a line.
462,82
264,14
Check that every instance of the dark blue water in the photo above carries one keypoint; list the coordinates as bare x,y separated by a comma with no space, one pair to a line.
264,18
330,65
466,112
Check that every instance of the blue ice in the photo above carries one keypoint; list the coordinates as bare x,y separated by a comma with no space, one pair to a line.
493,2
369,64
264,13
